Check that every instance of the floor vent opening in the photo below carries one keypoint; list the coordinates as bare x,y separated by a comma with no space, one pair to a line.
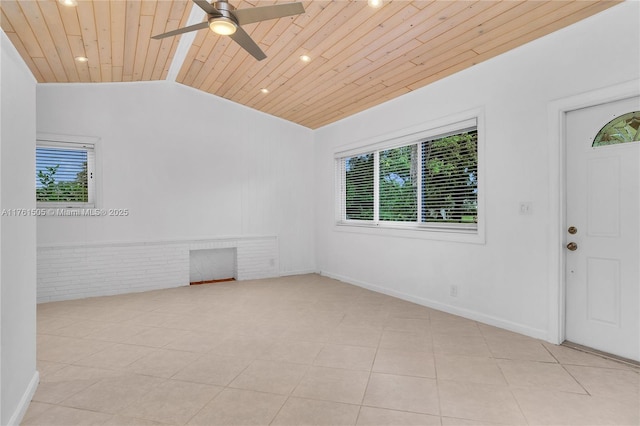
210,266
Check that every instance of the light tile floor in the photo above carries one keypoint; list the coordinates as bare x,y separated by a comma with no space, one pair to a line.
307,350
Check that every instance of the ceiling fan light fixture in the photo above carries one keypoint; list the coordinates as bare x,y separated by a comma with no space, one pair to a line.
225,19
222,25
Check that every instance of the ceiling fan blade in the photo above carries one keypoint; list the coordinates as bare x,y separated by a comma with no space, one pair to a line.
195,27
207,7
244,40
264,13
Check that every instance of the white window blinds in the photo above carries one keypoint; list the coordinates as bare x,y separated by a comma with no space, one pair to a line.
65,173
357,199
450,179
399,184
432,182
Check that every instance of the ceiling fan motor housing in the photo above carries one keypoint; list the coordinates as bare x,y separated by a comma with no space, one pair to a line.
225,10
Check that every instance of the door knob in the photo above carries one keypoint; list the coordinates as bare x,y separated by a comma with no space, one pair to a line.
572,246
572,230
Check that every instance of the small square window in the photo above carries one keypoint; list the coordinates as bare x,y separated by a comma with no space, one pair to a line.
65,174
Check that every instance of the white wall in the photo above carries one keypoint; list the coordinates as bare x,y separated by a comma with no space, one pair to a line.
188,166
505,280
18,376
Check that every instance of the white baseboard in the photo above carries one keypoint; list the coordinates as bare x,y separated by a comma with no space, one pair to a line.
455,310
23,405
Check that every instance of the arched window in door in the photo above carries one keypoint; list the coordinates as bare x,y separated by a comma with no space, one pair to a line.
622,129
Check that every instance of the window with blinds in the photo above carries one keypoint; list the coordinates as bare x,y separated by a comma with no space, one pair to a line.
65,174
450,179
358,185
429,183
399,184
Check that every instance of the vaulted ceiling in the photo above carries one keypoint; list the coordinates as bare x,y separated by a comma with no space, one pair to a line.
360,56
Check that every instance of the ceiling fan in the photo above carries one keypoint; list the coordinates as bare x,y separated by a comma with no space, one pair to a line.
224,19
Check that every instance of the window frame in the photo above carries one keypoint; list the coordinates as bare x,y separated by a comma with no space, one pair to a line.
456,232
91,144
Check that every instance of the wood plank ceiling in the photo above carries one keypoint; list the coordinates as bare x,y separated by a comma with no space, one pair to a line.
360,56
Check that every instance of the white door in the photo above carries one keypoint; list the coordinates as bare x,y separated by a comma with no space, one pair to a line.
603,205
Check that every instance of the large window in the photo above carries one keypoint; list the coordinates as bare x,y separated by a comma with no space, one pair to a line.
429,183
65,174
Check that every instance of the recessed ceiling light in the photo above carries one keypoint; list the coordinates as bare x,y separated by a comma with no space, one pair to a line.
305,58
374,3
69,3
264,90
82,59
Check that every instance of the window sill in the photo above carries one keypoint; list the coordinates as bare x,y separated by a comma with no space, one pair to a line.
64,205
457,235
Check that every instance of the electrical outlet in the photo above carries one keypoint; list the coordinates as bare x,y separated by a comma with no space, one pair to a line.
525,207
453,291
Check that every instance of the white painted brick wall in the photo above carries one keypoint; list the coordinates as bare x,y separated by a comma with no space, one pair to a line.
255,258
74,272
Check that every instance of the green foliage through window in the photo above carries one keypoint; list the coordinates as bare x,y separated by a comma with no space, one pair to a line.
359,187
450,179
431,181
61,175
398,184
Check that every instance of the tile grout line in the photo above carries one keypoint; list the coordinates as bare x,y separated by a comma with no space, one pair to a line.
364,394
509,386
435,367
